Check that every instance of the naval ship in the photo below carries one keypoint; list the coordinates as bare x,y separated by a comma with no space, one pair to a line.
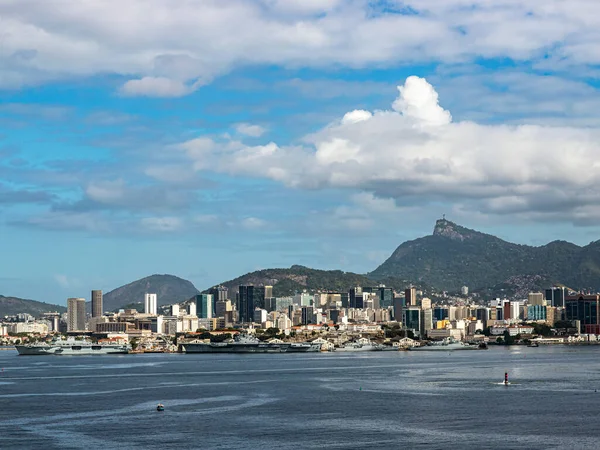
70,347
248,344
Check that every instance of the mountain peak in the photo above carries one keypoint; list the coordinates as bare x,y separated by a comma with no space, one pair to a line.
451,230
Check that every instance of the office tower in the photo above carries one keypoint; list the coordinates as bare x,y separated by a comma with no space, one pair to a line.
250,297
410,295
204,306
440,313
536,299
412,319
97,303
426,320
556,296
76,314
150,304
307,315
223,307
356,298
586,309
398,309
191,308
426,303
219,293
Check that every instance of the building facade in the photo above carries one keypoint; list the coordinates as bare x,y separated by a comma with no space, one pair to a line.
97,303
76,314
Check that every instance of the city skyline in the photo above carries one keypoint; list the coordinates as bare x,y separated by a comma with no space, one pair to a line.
317,133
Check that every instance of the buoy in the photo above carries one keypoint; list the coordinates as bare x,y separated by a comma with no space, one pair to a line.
505,378
160,407
360,388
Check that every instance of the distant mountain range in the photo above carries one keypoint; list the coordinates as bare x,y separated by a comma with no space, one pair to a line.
169,289
287,282
12,305
454,256
449,258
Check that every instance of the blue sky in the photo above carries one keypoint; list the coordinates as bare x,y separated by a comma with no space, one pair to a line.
206,139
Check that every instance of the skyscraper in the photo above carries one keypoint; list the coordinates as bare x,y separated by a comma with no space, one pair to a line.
150,304
96,303
250,297
219,293
76,314
410,295
204,306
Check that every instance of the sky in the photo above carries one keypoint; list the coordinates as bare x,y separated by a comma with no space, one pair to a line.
207,139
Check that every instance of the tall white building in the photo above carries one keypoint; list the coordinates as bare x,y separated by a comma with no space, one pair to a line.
150,304
76,314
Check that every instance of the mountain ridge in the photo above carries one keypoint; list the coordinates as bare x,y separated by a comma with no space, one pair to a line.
455,255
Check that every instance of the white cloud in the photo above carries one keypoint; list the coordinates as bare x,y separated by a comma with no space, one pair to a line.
250,130
358,115
166,49
167,224
415,154
156,87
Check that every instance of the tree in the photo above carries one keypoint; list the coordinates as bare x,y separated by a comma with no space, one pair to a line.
272,331
508,339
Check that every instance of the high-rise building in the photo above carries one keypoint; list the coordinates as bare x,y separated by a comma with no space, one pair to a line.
536,299
96,303
412,319
410,295
204,306
556,296
586,309
219,293
356,297
250,297
464,290
76,314
426,320
425,303
150,304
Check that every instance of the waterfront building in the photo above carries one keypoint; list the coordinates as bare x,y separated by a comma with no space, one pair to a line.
204,306
412,319
150,304
426,320
76,314
585,309
97,303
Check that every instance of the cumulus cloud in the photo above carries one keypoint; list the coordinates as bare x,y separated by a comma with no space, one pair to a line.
250,130
166,49
413,153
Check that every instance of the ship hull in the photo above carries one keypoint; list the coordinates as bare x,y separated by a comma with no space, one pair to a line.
235,348
443,348
27,350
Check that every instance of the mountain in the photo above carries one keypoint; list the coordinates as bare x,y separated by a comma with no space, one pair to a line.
454,256
169,289
286,282
13,305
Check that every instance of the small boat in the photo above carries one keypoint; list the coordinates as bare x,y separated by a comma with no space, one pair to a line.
533,344
160,407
